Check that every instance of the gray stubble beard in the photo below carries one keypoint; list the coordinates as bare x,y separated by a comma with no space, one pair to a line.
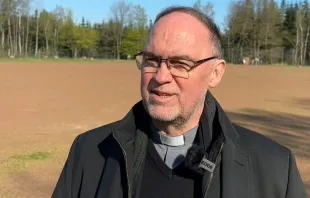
179,122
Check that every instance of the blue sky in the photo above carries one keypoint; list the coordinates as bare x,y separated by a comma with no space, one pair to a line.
98,10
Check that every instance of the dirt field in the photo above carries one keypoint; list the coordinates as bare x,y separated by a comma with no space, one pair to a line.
45,105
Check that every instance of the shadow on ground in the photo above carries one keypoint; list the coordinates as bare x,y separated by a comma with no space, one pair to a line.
303,103
290,130
300,103
31,186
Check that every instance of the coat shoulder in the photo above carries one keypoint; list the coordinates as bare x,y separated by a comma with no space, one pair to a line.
272,165
256,143
95,136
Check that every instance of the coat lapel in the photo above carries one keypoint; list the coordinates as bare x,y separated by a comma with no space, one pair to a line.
236,173
235,164
130,134
92,173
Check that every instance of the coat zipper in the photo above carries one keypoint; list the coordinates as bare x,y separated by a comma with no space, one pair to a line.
208,185
211,176
126,166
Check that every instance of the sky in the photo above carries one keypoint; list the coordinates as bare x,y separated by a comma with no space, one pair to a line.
98,10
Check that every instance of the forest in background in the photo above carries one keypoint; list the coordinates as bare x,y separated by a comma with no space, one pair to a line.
255,32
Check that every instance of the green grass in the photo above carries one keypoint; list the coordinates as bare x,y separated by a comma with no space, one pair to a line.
20,162
33,156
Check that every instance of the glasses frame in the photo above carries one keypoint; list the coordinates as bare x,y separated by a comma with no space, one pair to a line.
166,60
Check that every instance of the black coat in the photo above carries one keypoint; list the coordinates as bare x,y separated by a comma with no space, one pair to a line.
107,162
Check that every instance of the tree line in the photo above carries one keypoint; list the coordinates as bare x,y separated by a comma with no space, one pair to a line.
267,33
256,31
53,34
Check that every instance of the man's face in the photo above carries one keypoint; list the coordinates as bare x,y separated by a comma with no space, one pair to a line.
173,99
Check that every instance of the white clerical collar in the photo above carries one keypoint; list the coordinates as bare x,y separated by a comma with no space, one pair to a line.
171,140
187,138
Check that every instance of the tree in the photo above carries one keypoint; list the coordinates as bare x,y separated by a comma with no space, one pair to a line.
84,39
302,21
46,23
26,12
83,22
135,32
130,44
283,9
37,32
206,8
150,24
120,18
59,14
241,31
254,31
66,36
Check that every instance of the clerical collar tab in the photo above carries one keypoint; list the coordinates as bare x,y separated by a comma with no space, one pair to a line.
171,140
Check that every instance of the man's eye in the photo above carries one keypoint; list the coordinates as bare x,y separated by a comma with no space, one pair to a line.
150,62
180,64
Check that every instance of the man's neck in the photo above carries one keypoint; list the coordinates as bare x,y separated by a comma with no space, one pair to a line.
178,128
173,131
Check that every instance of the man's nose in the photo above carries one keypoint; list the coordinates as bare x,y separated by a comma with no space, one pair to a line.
163,74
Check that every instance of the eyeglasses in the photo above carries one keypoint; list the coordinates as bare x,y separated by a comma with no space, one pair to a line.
179,67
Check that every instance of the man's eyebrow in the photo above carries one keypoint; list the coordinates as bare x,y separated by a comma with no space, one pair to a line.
181,56
186,57
150,53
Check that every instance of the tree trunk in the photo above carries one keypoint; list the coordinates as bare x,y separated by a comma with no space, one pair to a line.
2,38
270,52
306,42
16,36
37,36
266,39
75,52
27,36
10,36
228,46
46,38
301,42
233,51
258,51
254,46
19,36
55,41
296,47
282,56
241,52
118,49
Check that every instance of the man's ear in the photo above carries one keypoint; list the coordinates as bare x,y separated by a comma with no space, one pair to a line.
217,73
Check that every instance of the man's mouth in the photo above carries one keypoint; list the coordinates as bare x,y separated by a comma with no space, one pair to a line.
162,94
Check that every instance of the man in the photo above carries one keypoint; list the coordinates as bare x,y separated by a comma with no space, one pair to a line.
177,141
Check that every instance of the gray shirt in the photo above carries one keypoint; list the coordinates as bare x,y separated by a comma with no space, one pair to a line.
172,150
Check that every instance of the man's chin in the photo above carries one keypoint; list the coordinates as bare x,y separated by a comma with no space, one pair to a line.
161,113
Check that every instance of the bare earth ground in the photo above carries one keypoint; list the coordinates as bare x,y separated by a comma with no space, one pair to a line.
45,105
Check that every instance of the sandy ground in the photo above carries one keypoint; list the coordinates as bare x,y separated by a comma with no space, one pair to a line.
45,105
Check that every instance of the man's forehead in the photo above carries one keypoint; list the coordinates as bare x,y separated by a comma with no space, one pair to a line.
169,35
181,21
178,34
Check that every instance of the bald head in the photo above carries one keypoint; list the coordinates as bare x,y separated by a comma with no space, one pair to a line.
213,33
180,34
